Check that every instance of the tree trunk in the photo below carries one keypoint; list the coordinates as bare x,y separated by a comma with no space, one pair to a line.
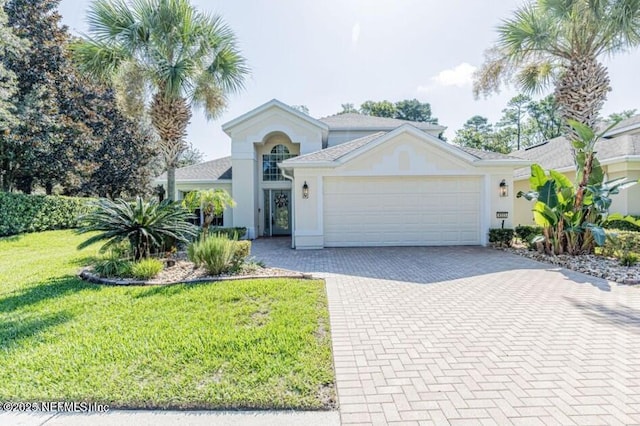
582,91
171,182
170,118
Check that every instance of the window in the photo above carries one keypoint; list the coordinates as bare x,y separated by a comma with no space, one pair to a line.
270,170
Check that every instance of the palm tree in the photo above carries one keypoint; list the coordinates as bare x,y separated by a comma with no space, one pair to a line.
561,42
164,57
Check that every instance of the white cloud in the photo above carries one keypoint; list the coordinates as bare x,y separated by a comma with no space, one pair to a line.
458,76
355,34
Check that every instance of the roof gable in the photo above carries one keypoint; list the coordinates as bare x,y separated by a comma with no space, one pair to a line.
348,151
272,104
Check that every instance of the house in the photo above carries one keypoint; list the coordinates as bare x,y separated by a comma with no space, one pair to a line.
618,152
355,180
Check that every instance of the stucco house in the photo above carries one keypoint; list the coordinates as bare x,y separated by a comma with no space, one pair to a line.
618,152
354,180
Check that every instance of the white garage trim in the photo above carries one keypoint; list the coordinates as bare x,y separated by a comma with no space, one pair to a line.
419,210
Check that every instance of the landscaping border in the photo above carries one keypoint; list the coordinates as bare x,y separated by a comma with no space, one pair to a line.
86,275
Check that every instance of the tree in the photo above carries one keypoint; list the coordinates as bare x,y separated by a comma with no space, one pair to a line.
378,109
514,115
545,119
124,158
619,116
10,45
302,108
414,110
190,156
348,109
561,42
168,52
478,133
50,102
212,203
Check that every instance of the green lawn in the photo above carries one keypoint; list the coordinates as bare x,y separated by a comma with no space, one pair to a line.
238,344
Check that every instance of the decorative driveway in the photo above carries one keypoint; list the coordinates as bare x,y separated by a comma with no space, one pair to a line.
468,335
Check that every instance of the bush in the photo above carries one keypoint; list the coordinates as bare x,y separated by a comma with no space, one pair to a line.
146,268
241,250
500,236
21,213
622,225
619,243
215,253
145,225
231,233
628,259
113,266
527,233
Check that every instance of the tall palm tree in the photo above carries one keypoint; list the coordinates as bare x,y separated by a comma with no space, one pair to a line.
164,57
562,42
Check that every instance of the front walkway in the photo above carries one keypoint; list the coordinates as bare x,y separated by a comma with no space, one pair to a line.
472,335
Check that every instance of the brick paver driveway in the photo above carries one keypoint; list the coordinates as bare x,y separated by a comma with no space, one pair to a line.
473,335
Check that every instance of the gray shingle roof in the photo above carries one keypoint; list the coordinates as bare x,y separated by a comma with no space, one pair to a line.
486,155
629,122
354,121
209,170
557,154
335,152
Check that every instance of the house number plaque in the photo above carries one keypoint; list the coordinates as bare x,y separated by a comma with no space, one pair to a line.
502,215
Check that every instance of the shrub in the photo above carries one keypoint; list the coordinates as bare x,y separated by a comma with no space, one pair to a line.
500,236
231,233
216,253
527,233
622,225
21,213
145,225
241,250
113,266
146,268
619,243
628,259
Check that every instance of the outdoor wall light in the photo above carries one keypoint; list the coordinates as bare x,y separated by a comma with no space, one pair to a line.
305,190
504,188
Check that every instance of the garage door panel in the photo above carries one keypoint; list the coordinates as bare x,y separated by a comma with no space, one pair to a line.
378,211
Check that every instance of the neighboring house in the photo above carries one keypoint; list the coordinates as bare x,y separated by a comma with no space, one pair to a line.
355,180
618,152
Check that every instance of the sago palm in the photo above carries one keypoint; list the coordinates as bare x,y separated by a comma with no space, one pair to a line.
562,43
163,57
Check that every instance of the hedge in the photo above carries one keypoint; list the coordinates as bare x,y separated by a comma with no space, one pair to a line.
21,213
501,237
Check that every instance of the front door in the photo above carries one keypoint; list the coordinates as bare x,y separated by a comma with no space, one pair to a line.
278,211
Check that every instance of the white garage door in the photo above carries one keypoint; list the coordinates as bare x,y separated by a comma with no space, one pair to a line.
379,211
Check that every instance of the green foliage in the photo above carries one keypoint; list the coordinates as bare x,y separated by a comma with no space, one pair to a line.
407,109
478,133
113,266
572,218
502,237
214,253
231,233
623,223
619,242
527,233
146,268
178,56
32,213
629,259
10,45
241,251
212,202
145,225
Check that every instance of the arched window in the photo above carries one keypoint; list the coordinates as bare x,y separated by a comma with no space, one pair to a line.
270,170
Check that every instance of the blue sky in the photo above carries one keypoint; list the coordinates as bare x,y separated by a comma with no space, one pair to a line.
325,53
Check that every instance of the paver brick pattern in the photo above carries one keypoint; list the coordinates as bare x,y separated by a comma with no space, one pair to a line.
469,335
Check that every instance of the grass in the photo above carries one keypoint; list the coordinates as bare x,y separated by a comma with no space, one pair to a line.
236,344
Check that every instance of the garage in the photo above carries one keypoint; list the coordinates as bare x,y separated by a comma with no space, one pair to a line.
402,211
